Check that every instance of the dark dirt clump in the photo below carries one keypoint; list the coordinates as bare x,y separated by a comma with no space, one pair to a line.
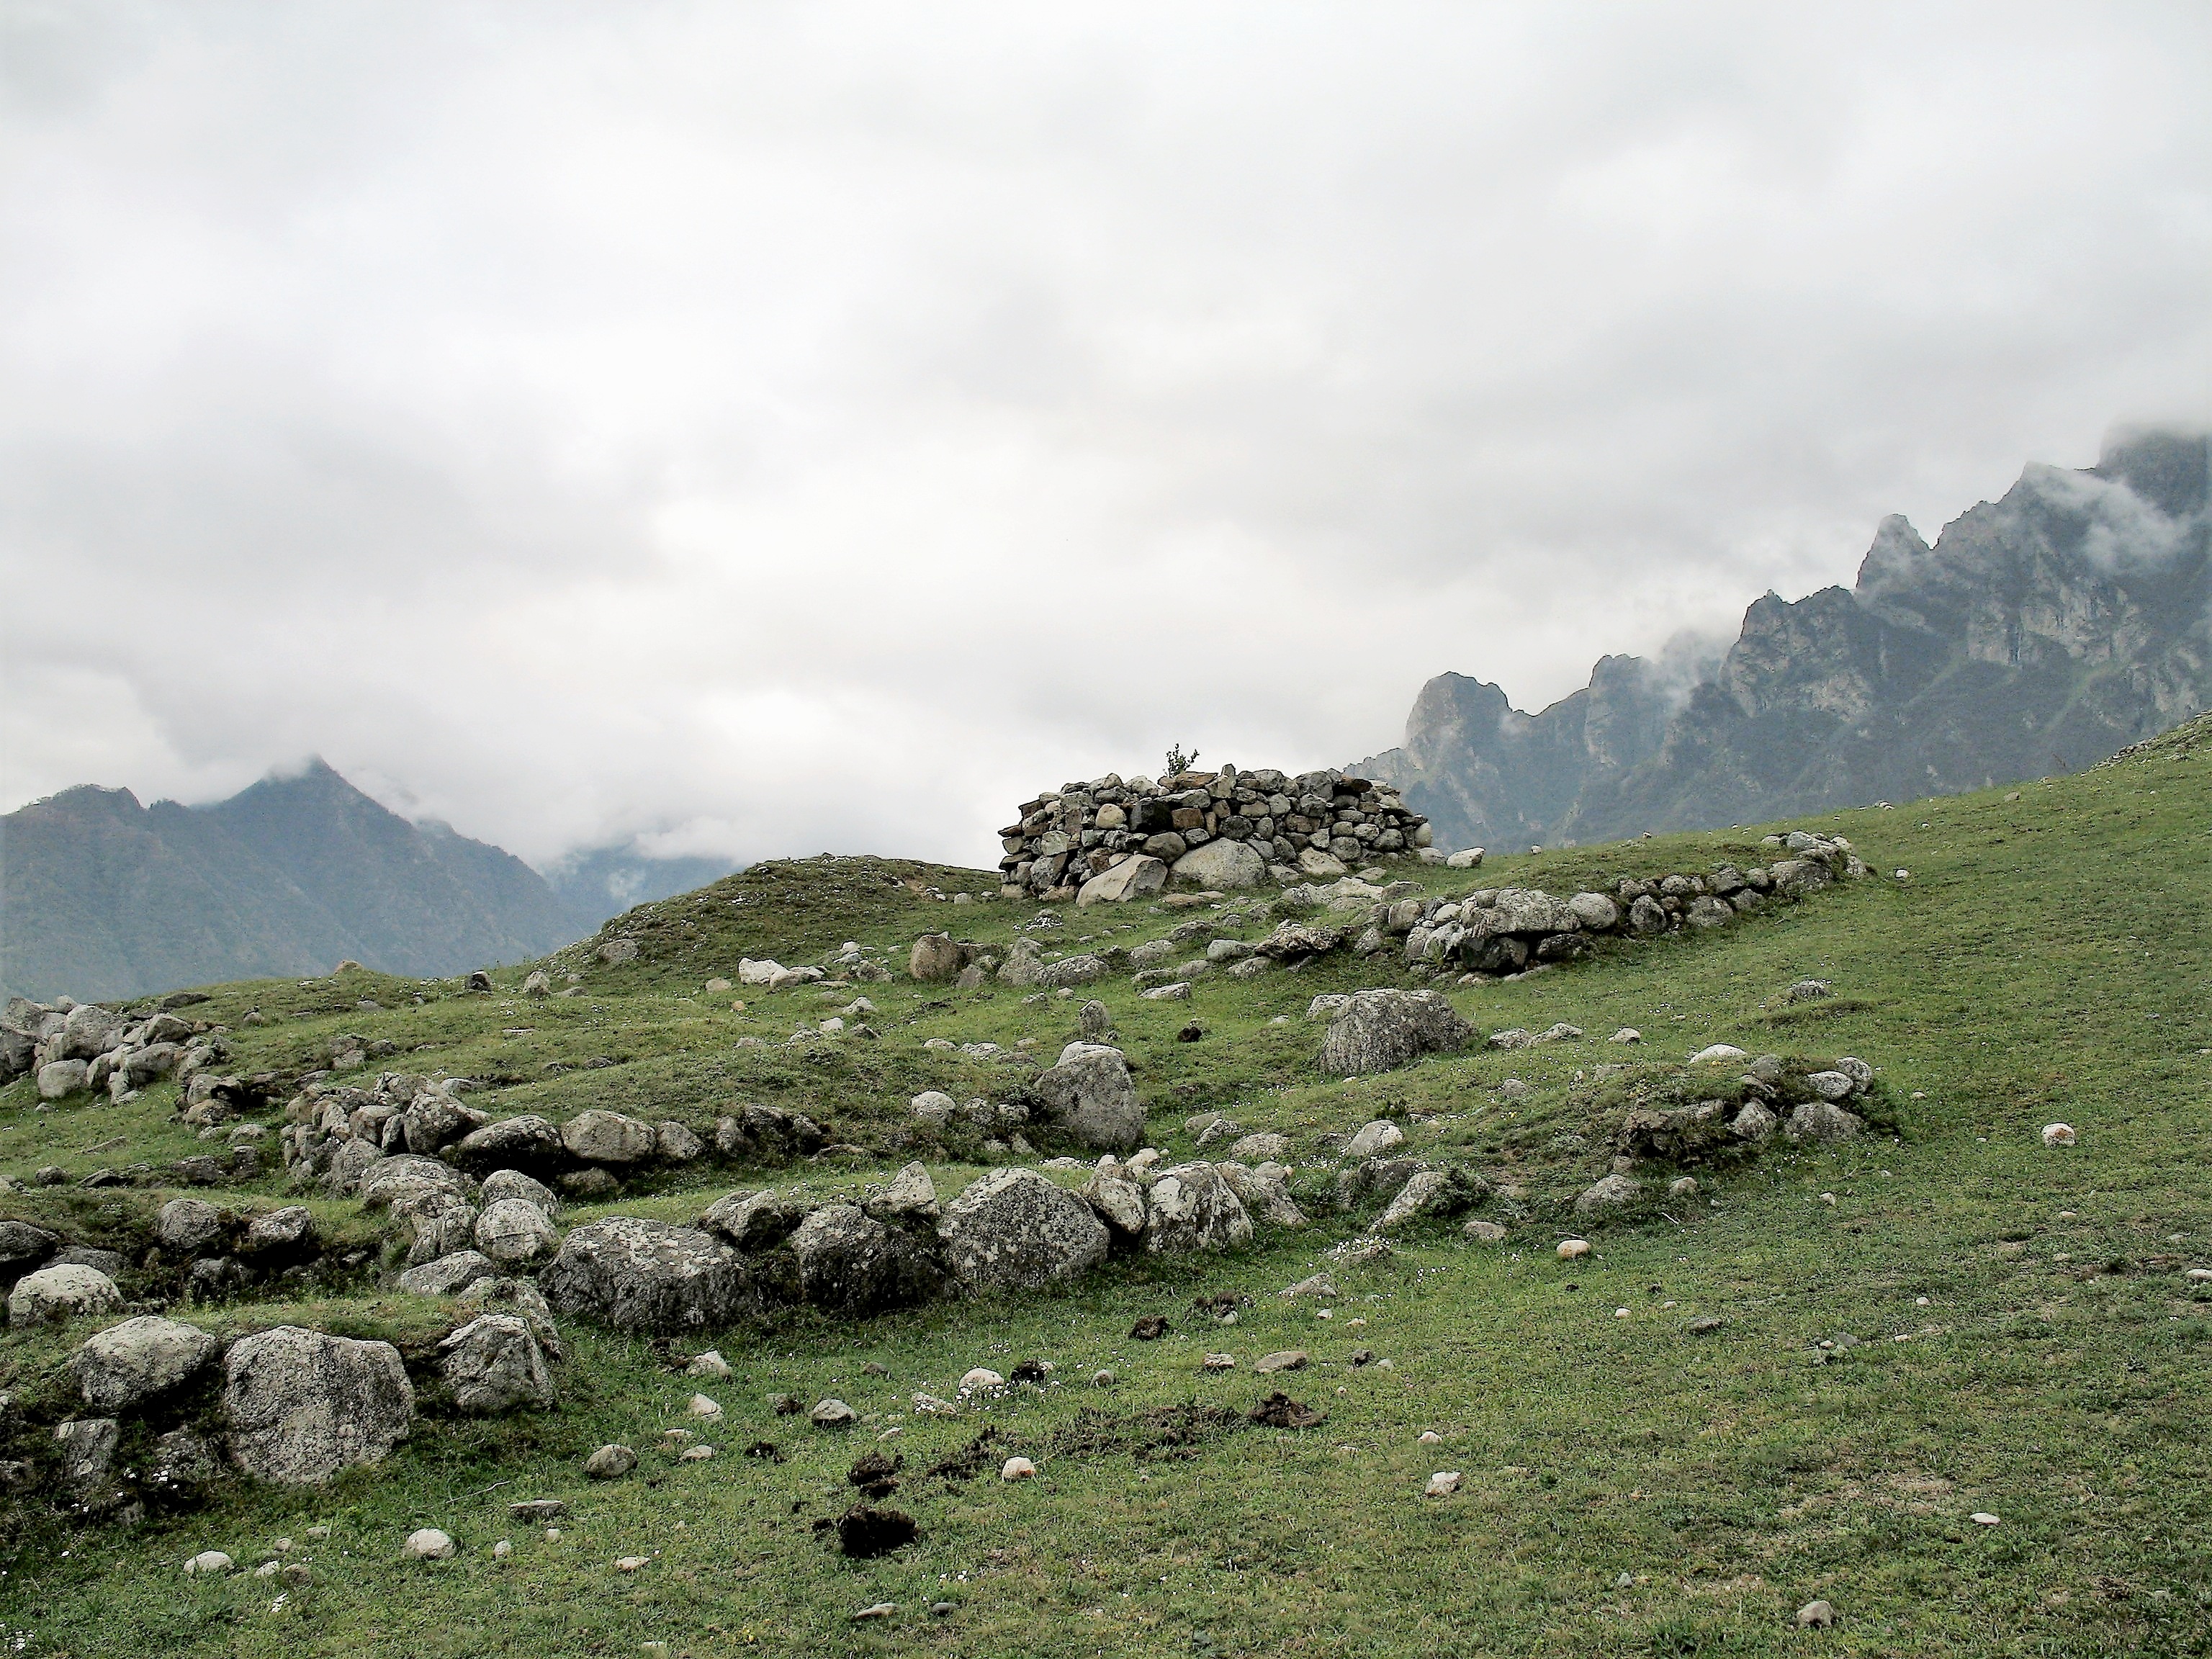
1150,1328
875,1475
1028,1371
970,1461
1161,1432
863,1532
1280,1410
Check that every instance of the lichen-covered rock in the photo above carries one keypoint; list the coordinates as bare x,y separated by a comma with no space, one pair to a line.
501,1185
1430,1192
1088,1093
1014,1229
1822,1120
278,1237
909,1199
603,1137
514,1232
851,1263
1133,878
127,1364
1191,1207
301,1405
190,1227
439,1224
527,1143
1118,1200
753,1221
393,1181
1221,864
1615,1192
647,1277
449,1275
61,1293
1264,1190
1375,1139
1379,1030
493,1364
23,1247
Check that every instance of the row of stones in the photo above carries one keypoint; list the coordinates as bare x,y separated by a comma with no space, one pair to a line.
76,1047
1064,838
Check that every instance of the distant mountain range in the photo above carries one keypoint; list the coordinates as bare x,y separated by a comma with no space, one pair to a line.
102,897
2039,634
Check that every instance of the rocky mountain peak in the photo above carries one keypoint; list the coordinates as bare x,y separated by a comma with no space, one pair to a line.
2040,632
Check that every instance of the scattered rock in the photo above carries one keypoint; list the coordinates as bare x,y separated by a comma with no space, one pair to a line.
1217,1362
1191,1207
1486,1233
210,1561
1286,1359
1815,1615
2058,1134
833,1414
1571,1248
429,1544
609,1463
1088,1093
1615,1192
1017,1469
1373,1139
1443,1484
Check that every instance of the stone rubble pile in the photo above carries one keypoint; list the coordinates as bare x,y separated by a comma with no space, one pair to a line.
1116,839
76,1047
347,1140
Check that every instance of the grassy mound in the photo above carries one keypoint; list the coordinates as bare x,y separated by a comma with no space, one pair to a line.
1943,1319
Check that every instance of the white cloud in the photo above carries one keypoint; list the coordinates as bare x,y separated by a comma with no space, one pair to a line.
776,427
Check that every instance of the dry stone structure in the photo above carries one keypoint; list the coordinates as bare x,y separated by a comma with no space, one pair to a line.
1113,839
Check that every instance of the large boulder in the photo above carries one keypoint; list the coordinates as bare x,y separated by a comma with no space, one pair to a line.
1221,864
60,1079
753,1221
23,1247
435,1120
1089,1094
1014,1229
1265,1191
936,958
909,1199
528,1143
130,1363
851,1263
1192,1207
411,1176
1379,1030
603,1137
1818,1121
449,1275
1133,878
278,1238
301,1405
439,1223
514,1232
647,1277
493,1363
1118,1198
88,1030
504,1184
61,1293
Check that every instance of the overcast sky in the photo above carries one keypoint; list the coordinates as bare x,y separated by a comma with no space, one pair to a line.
782,429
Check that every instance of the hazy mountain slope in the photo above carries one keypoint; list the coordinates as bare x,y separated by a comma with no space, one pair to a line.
105,897
2039,634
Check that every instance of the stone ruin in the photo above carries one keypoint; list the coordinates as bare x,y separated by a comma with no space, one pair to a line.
1111,839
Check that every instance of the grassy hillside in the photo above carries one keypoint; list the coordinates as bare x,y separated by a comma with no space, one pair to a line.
2008,1329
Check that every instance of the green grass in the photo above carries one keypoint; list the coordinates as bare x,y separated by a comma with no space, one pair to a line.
2047,960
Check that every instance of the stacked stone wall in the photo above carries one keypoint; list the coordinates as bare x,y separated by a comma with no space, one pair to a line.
1116,838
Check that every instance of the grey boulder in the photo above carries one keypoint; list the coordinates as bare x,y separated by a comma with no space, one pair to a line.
1088,1093
449,1275
1192,1207
514,1232
301,1405
1380,1030
647,1277
1014,1229
137,1360
61,1293
493,1364
850,1263
501,1185
1822,1120
603,1137
1221,864
528,1143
